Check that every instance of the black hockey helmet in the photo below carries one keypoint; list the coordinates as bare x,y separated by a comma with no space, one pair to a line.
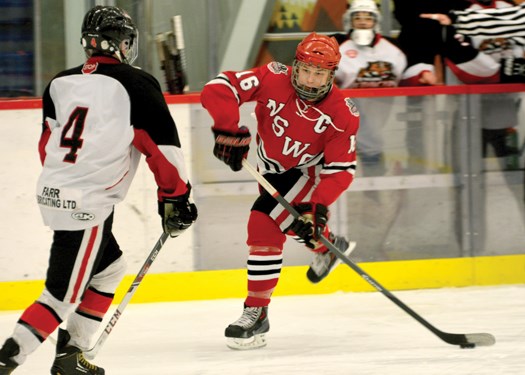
109,30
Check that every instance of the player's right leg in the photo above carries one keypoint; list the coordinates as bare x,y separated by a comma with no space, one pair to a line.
69,359
62,292
249,331
73,257
107,271
265,241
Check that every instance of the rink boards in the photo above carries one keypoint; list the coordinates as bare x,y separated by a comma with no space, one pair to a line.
393,275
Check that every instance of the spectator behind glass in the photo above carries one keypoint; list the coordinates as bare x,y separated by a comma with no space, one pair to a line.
510,21
499,113
492,31
368,60
422,40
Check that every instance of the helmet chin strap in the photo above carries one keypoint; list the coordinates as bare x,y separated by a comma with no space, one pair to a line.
362,37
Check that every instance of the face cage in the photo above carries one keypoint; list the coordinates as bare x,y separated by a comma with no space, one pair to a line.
130,52
309,93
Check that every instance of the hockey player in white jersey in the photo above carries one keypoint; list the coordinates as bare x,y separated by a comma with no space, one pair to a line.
369,60
97,120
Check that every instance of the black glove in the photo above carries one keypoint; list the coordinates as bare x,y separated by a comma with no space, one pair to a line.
311,224
177,214
512,70
231,148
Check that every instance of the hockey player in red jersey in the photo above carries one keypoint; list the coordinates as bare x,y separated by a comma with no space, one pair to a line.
306,140
97,120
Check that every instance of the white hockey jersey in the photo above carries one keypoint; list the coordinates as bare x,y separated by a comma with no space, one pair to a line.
97,119
379,65
502,21
497,47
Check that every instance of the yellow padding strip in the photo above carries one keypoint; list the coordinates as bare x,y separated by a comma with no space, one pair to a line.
395,275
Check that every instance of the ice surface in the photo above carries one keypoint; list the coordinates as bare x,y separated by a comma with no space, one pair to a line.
343,333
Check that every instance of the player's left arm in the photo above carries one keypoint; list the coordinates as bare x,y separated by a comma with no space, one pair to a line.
156,137
339,159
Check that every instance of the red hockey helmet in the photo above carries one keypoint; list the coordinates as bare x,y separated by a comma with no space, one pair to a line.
321,52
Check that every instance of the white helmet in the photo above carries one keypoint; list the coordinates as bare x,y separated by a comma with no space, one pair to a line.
361,6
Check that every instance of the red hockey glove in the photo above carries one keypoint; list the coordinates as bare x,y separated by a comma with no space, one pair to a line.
231,148
177,214
311,224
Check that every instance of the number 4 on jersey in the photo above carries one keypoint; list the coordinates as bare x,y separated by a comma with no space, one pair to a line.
71,135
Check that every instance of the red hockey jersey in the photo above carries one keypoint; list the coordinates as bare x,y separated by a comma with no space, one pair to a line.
291,133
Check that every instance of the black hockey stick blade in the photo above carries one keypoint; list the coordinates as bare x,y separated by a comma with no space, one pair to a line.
470,340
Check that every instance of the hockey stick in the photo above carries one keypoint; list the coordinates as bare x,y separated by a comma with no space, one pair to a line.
91,353
470,340
180,45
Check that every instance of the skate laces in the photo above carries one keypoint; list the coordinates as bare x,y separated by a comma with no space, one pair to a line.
84,362
249,317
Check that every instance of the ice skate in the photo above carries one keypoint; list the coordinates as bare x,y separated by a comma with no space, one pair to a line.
324,263
249,331
70,360
8,351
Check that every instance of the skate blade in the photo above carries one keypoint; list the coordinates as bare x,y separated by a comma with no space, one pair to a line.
254,342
